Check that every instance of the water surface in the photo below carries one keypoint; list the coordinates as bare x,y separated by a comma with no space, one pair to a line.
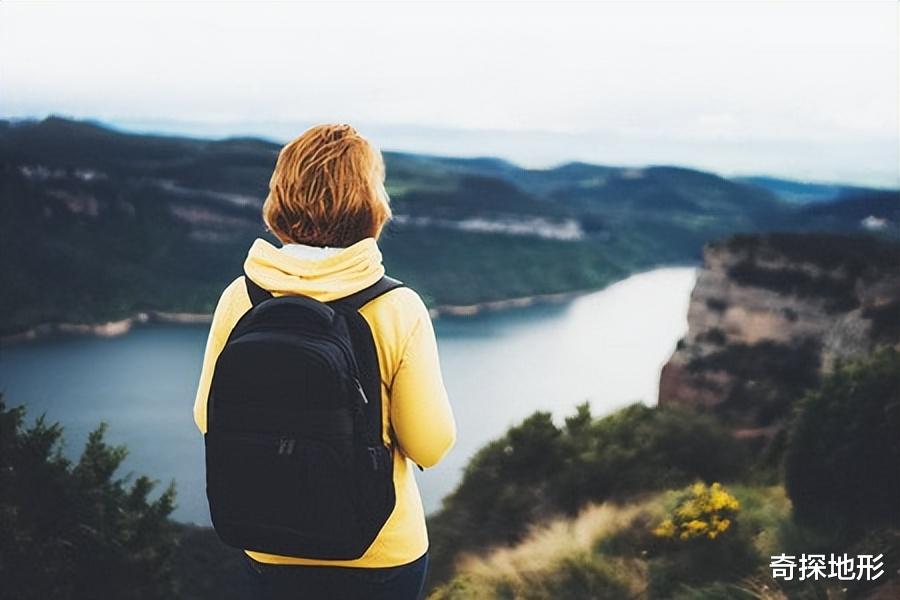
606,348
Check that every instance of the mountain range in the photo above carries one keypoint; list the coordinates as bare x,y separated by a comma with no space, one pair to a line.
98,224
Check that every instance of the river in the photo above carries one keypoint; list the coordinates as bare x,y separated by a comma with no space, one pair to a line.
606,347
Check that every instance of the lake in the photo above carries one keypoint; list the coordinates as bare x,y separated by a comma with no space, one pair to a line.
606,347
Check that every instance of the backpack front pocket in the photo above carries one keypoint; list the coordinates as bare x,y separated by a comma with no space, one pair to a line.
283,494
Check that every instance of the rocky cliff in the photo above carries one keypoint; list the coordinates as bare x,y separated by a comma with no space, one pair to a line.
771,313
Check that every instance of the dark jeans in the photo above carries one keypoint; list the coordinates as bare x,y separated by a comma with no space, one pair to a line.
301,582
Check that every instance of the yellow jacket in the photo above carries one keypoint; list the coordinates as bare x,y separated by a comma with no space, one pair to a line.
417,419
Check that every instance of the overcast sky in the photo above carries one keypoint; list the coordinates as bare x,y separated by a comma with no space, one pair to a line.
804,89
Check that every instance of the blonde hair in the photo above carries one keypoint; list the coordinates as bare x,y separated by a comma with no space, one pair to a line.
327,189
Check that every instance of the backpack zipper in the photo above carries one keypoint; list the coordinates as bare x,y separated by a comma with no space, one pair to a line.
362,392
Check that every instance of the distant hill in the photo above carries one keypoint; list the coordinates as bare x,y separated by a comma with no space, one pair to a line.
97,224
801,192
874,211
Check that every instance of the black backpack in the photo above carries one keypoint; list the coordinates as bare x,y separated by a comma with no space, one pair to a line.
295,462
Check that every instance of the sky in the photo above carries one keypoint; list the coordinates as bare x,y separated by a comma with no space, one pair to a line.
807,90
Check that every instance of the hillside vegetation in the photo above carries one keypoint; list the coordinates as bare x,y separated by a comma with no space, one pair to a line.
833,488
76,530
97,224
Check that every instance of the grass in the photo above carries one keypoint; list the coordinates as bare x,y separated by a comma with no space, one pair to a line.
555,560
607,551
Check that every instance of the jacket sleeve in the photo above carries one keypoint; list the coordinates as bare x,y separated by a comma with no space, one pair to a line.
232,305
421,416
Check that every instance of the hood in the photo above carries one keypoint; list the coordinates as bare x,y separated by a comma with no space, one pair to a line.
354,268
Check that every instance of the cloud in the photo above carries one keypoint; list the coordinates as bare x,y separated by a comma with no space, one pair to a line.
676,73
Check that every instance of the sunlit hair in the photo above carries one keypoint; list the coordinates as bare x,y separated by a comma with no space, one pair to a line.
327,189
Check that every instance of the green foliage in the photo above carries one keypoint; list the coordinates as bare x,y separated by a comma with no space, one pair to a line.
703,541
842,470
583,575
459,268
701,511
703,561
73,530
639,449
842,464
610,551
538,469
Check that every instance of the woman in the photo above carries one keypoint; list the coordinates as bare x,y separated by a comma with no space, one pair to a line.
327,205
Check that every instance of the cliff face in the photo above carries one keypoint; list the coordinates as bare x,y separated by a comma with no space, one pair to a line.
770,314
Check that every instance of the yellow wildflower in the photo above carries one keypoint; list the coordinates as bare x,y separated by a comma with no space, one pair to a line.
703,511
666,529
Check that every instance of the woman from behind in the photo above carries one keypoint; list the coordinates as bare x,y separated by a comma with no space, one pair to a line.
327,206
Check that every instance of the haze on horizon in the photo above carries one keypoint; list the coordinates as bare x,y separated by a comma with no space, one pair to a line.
806,90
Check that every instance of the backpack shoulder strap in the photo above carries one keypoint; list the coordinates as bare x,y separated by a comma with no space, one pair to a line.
257,294
364,349
361,298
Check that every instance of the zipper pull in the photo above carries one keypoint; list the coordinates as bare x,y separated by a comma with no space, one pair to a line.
362,393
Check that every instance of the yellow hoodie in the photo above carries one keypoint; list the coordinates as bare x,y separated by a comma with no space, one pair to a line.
418,422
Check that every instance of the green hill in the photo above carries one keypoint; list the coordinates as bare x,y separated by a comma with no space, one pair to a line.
97,224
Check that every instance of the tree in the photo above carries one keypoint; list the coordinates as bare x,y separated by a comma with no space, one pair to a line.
842,464
70,531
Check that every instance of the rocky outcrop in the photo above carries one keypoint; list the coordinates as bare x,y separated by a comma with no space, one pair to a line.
770,314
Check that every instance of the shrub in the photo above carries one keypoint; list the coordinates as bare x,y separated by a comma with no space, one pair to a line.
537,470
842,463
72,530
702,511
640,449
700,542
